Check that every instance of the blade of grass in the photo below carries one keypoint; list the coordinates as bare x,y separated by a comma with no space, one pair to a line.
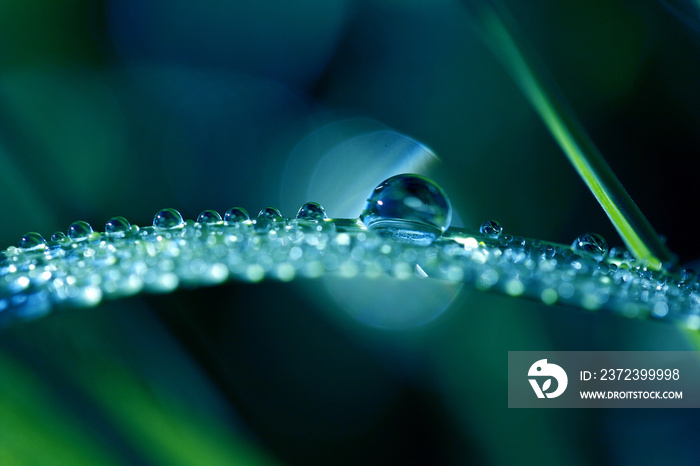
35,428
498,31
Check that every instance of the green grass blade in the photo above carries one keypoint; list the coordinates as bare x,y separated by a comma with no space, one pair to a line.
35,429
497,30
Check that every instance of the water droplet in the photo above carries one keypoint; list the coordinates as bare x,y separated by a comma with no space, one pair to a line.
549,251
236,214
687,277
59,237
411,208
270,213
312,211
491,229
517,241
168,218
209,217
32,240
79,230
592,245
117,226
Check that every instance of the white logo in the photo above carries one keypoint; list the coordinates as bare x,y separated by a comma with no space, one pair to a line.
543,369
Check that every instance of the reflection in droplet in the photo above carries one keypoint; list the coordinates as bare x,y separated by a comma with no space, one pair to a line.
209,217
592,245
79,230
236,214
411,208
117,226
312,211
270,213
491,229
32,240
168,218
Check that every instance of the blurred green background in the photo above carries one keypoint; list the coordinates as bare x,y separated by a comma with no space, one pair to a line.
125,107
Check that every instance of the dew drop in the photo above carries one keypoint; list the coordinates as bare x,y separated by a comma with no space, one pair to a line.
31,241
117,226
209,217
168,218
270,213
236,214
491,229
312,211
688,276
411,208
592,245
59,237
79,231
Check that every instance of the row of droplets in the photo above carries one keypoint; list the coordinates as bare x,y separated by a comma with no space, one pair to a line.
410,208
165,219
588,244
171,218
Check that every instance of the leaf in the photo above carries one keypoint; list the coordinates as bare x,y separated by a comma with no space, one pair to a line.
82,272
546,385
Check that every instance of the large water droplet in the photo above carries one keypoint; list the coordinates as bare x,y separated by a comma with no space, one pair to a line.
209,217
312,211
491,229
410,208
79,230
236,214
117,226
270,213
592,245
32,240
168,218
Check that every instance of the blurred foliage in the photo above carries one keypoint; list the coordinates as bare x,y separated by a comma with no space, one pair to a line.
124,107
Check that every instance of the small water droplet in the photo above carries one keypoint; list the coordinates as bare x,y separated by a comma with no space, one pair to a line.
209,217
79,231
59,237
312,211
505,239
270,213
491,229
236,214
592,245
549,251
117,226
168,218
31,241
411,208
517,241
687,277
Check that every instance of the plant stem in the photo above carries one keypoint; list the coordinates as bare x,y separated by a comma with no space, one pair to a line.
498,31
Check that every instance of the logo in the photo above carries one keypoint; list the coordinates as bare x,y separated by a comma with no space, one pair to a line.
543,369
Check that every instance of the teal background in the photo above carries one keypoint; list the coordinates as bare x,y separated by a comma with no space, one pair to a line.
125,107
